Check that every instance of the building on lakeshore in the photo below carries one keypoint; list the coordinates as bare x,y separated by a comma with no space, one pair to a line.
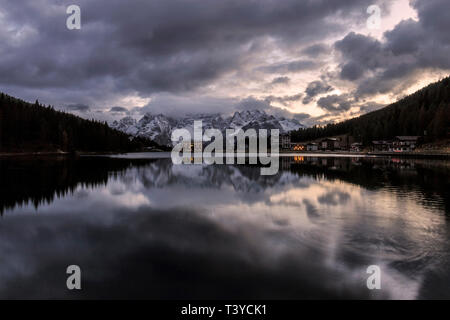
356,147
297,146
381,145
285,141
405,143
312,146
330,144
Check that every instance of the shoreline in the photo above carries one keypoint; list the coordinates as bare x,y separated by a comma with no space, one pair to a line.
54,153
438,155
434,155
428,155
24,154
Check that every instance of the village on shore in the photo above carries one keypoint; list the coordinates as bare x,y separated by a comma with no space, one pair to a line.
348,144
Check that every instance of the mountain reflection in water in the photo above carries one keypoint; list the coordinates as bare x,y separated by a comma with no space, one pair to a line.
144,228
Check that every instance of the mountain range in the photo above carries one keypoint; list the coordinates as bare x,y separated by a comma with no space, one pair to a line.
159,127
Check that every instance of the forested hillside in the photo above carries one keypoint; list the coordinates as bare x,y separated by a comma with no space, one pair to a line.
423,113
26,127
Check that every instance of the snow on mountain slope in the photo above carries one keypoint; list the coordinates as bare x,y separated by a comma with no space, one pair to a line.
159,127
155,127
290,125
127,125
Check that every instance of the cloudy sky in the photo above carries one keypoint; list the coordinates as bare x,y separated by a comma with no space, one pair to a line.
315,60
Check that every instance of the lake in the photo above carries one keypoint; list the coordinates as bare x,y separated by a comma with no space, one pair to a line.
140,227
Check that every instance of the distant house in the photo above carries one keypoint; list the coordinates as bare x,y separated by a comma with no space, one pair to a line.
381,145
405,143
285,141
297,146
330,144
356,147
312,147
345,141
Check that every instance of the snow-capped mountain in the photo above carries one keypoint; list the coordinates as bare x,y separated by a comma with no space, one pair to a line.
159,127
156,127
128,125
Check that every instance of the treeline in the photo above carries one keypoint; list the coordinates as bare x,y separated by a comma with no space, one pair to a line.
423,113
26,127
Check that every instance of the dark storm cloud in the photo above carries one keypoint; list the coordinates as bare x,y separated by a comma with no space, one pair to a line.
293,66
369,107
118,109
180,106
301,116
178,47
361,54
316,50
153,46
335,103
391,66
315,88
433,16
78,107
265,105
352,71
281,80
405,38
284,100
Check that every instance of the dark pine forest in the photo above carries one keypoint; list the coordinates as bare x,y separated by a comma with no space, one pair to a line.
26,127
423,113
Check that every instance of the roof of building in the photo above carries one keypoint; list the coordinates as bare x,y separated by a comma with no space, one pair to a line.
408,138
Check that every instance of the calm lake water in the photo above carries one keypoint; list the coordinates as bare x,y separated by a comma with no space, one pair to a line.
140,227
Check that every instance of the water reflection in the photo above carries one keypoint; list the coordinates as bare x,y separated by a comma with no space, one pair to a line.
148,229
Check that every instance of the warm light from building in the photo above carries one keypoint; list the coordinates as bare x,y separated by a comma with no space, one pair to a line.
299,147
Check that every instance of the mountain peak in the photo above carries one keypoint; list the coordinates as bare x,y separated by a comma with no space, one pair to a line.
159,127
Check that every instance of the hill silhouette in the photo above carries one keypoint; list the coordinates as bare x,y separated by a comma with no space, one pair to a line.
26,127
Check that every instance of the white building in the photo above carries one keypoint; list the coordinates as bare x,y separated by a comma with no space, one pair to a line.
312,147
285,140
405,143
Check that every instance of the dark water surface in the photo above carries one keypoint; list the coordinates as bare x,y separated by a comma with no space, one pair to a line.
144,228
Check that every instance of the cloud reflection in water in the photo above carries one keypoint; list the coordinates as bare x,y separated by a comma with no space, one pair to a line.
155,230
